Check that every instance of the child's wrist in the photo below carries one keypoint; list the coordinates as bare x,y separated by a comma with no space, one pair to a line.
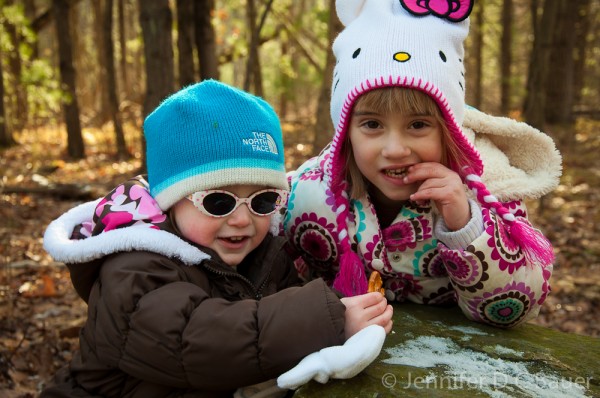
463,237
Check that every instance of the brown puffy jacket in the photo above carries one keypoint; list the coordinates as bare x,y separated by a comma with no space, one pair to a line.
160,326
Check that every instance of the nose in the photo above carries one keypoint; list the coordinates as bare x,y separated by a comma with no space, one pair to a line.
395,147
241,216
401,56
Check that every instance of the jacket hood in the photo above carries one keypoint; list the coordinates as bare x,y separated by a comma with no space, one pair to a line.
127,219
520,162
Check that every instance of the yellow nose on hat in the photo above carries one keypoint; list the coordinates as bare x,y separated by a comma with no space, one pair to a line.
401,56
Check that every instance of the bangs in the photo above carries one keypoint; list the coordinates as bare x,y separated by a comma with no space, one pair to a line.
398,100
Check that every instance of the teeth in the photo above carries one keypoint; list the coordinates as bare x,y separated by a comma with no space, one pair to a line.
236,238
396,173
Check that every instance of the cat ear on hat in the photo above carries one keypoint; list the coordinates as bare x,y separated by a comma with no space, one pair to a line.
348,10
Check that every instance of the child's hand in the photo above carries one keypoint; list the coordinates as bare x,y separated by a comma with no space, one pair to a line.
445,188
367,309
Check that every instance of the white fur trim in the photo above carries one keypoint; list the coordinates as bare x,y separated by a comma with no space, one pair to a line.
276,221
519,160
58,244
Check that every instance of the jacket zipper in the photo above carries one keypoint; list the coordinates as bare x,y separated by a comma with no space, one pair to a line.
255,291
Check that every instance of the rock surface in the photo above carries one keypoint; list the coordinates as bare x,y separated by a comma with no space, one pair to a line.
437,352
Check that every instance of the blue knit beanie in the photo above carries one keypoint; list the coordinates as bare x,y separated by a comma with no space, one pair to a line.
210,135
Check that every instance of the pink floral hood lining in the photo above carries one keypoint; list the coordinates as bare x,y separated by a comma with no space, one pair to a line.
127,219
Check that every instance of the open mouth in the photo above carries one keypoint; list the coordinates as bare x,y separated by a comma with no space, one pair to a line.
234,239
396,173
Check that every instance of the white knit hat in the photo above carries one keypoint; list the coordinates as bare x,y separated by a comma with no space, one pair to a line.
416,44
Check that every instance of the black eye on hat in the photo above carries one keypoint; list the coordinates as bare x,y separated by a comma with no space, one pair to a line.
442,56
355,54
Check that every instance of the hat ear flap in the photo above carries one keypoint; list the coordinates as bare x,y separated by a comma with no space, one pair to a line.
348,10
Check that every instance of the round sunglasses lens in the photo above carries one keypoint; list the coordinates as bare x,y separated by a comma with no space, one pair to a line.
218,203
265,202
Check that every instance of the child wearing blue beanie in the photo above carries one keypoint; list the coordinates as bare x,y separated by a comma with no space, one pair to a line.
190,291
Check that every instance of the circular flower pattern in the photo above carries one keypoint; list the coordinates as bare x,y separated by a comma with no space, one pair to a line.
469,270
432,264
427,262
504,250
315,237
400,236
504,307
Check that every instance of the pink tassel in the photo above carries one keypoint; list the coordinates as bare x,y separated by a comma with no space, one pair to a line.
536,247
351,279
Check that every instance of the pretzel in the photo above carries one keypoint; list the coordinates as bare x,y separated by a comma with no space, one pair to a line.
375,283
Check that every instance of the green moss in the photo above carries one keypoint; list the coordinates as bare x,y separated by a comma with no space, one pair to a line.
450,356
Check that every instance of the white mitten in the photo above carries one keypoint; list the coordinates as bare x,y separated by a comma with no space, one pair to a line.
337,362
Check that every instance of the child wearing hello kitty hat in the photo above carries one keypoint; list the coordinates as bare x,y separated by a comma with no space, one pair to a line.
416,185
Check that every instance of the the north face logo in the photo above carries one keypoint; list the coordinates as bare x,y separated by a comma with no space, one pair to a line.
262,142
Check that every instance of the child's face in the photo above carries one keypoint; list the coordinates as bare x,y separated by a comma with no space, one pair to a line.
232,236
386,145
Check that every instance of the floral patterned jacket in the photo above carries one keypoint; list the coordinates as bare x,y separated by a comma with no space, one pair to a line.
478,267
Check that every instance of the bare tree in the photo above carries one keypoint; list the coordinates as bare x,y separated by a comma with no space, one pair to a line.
323,131
583,29
185,42
111,80
535,101
123,46
156,21
19,117
253,70
6,138
506,56
559,91
75,145
205,39
101,94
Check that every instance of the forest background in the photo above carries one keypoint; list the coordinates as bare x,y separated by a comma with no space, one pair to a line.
77,78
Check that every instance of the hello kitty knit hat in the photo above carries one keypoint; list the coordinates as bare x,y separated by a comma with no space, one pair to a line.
416,44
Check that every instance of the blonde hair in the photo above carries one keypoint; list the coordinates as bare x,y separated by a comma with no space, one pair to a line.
405,101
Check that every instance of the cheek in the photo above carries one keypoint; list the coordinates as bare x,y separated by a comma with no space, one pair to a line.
262,225
199,232
364,153
196,226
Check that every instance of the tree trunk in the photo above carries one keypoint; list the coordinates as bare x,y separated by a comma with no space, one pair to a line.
123,47
535,101
253,69
6,138
559,91
323,131
205,39
75,145
156,22
506,56
19,116
102,104
289,93
185,42
583,29
111,80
